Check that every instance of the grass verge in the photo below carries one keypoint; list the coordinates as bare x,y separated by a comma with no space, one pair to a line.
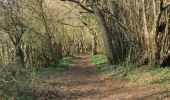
134,73
101,63
55,69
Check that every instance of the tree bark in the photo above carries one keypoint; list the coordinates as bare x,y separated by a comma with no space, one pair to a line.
94,44
106,35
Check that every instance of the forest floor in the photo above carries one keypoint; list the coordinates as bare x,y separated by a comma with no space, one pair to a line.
82,82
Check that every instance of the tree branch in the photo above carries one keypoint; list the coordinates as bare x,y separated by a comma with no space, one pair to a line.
167,6
80,4
115,19
70,24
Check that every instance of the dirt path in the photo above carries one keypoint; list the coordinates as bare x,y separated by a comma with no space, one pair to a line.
81,82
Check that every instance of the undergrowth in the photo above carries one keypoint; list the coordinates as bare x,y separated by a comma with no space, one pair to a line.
32,80
134,73
55,68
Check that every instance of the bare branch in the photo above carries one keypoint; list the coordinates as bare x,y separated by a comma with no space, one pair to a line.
70,24
167,6
116,20
81,5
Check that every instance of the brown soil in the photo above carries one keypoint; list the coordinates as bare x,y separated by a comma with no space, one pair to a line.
81,82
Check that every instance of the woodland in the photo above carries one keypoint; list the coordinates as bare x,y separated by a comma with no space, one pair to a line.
41,38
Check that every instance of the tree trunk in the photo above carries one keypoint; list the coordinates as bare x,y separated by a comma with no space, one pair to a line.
106,35
94,44
19,54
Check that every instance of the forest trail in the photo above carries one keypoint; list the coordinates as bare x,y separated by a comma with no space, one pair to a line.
81,82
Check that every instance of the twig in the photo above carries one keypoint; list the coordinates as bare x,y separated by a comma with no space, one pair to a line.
166,6
81,5
70,24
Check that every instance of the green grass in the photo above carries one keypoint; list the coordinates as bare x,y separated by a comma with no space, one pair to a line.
23,96
99,59
46,72
134,73
142,74
66,61
101,63
167,94
56,68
